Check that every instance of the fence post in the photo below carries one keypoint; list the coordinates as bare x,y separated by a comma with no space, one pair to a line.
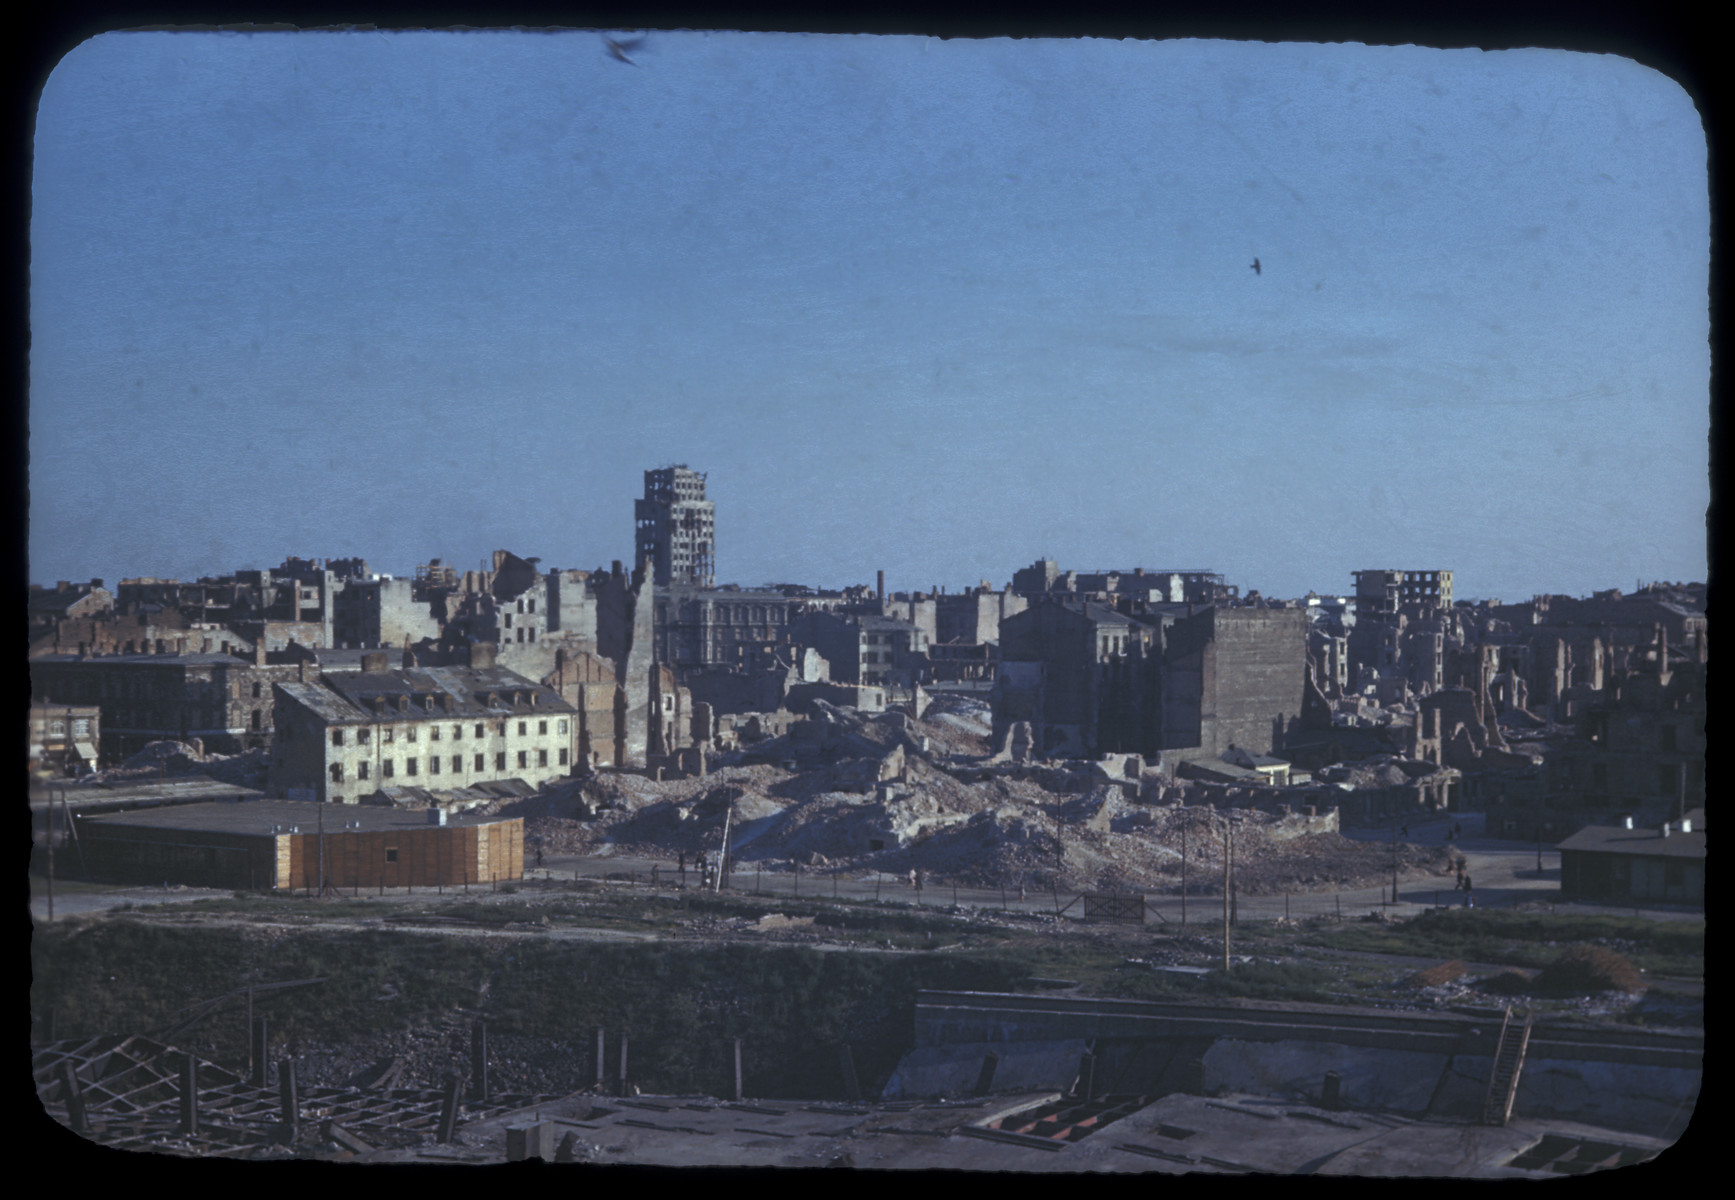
449,1107
288,1099
985,1078
189,1095
479,1060
73,1096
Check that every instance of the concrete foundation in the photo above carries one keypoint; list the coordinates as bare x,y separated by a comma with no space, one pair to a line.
1433,1065
950,1071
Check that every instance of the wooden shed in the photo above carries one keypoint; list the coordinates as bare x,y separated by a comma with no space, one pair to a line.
296,845
1626,865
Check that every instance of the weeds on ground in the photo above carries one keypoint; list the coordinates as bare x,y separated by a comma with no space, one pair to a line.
1586,970
1446,972
1256,981
1523,938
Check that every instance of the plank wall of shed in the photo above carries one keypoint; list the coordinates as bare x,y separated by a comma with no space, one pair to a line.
114,853
427,856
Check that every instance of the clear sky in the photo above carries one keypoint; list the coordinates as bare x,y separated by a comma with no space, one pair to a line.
937,307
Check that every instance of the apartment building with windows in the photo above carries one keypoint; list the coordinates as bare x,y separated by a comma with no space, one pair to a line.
344,737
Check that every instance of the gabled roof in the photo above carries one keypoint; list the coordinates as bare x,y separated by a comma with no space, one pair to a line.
424,694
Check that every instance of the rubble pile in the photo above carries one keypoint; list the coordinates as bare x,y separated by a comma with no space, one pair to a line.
251,768
960,725
170,759
866,796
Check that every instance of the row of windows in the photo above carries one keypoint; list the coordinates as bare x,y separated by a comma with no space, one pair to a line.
364,734
412,766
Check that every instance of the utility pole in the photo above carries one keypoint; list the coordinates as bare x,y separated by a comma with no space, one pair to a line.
1183,876
723,857
72,833
1394,856
49,826
1234,884
1227,827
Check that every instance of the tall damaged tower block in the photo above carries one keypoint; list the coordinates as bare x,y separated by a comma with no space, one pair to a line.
675,528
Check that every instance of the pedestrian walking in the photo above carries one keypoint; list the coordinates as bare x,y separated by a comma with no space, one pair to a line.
1468,886
913,884
1405,831
1459,886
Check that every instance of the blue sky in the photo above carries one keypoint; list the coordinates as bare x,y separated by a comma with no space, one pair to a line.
937,307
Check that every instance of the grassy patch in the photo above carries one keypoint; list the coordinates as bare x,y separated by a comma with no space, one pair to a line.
1257,981
1524,939
1271,981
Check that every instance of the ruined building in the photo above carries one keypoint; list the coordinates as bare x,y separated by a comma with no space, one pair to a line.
866,649
1123,589
1091,680
701,628
676,528
1233,677
1386,592
223,701
1085,678
1405,627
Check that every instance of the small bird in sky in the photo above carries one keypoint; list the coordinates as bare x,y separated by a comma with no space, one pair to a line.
1256,269
618,49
